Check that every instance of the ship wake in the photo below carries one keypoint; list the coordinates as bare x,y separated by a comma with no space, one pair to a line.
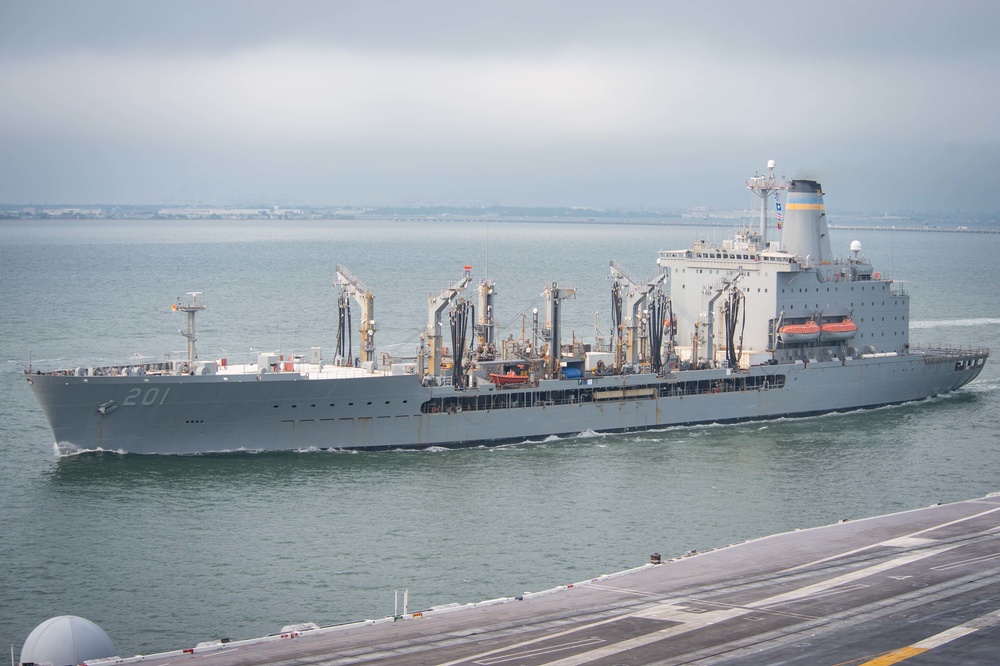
954,323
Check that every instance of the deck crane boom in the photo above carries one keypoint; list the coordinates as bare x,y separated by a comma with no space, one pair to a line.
636,294
435,306
356,289
552,333
485,321
708,322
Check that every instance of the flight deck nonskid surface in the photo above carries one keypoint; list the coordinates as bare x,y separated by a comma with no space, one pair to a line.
921,586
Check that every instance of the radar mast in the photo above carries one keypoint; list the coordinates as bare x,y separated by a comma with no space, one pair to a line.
763,186
191,307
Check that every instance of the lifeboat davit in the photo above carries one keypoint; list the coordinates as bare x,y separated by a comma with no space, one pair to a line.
798,333
839,330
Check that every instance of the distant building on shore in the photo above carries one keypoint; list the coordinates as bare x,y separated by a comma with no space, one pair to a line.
273,213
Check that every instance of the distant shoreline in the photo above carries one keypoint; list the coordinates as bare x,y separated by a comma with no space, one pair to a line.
957,230
415,218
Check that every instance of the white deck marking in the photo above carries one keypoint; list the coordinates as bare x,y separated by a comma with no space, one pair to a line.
548,637
537,652
907,542
817,588
889,542
624,590
937,640
828,593
963,563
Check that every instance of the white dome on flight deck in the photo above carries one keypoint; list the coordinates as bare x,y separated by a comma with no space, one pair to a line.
64,641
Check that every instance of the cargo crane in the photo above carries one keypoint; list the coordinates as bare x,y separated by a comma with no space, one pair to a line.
432,335
708,320
485,326
352,287
554,295
636,294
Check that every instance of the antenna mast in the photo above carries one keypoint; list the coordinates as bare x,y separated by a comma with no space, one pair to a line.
191,307
763,186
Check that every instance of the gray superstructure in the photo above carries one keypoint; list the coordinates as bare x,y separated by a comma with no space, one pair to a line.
751,328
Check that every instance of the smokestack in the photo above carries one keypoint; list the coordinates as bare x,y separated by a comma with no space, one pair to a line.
806,233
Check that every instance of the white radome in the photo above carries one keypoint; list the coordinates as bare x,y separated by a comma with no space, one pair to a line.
64,641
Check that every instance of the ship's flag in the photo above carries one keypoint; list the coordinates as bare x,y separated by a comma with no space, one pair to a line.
777,205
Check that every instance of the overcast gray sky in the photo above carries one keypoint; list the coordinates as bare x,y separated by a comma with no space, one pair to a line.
891,105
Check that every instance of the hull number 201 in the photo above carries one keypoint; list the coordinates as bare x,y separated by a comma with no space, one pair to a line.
151,396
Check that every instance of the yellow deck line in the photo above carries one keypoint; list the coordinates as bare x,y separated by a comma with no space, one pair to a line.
936,640
895,656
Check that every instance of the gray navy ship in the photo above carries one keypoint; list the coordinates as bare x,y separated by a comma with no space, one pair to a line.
752,328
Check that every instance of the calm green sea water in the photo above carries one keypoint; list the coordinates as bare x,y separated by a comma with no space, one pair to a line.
163,552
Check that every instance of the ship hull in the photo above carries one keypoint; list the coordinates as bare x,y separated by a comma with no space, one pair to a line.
202,414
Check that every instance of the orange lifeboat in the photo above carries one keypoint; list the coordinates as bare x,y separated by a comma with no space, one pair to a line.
798,333
839,330
501,380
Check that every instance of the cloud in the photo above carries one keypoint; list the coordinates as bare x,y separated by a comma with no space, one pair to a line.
525,103
461,28
300,95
